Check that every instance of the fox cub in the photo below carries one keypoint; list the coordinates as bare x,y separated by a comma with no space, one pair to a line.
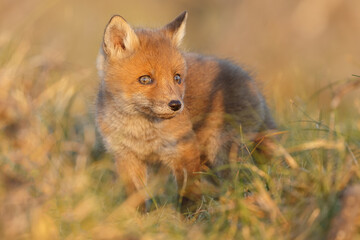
158,104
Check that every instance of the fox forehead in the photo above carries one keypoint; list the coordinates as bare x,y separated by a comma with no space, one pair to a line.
156,43
155,56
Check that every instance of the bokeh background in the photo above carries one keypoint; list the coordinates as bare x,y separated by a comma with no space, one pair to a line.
287,45
302,53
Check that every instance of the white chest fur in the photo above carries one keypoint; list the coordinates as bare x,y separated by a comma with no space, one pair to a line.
137,135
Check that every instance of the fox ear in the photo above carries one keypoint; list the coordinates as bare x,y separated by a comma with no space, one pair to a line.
176,29
119,38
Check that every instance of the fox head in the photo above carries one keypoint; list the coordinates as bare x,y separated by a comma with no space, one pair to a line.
143,69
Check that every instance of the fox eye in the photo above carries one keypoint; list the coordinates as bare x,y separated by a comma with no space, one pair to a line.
177,78
145,80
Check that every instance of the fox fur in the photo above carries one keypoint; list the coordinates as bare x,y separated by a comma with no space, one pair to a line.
139,71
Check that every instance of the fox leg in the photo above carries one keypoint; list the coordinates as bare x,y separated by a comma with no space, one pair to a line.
185,168
133,174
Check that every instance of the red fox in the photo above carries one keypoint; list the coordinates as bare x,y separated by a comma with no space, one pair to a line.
157,103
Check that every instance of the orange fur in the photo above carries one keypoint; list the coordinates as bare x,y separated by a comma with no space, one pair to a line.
136,121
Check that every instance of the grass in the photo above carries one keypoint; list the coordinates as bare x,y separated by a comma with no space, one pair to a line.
56,184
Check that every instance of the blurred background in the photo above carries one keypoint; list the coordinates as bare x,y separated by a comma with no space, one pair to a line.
290,46
300,52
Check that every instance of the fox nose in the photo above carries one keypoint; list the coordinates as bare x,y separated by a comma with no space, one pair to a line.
175,105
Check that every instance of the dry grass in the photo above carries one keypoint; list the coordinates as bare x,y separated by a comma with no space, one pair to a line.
56,184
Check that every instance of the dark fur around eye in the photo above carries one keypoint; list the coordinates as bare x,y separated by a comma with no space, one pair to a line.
145,80
177,78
